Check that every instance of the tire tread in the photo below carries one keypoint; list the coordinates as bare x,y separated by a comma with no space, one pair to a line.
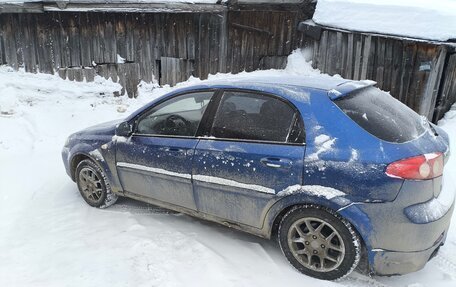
354,235
111,197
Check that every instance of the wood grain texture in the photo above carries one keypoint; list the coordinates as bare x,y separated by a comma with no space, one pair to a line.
170,47
418,73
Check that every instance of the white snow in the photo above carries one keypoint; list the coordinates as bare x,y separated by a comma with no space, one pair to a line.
433,20
316,190
120,139
354,155
50,237
153,169
233,183
120,60
96,154
434,209
323,143
334,92
131,1
321,139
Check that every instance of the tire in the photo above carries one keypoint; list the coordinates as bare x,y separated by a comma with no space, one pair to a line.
93,185
330,249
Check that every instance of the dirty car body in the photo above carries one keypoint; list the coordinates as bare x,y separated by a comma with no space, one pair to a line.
307,146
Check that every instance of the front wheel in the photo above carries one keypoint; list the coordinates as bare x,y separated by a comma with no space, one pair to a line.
319,243
93,185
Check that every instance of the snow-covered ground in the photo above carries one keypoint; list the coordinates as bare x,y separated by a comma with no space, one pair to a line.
50,237
433,20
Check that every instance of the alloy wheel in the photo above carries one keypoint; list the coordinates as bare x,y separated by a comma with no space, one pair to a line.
90,185
316,244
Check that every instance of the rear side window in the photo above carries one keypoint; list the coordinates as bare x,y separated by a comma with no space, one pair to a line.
382,115
249,116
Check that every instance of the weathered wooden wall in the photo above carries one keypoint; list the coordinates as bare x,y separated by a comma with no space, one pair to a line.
170,47
411,70
447,91
166,47
261,39
52,41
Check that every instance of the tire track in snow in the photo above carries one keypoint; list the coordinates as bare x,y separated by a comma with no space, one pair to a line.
357,279
140,209
445,264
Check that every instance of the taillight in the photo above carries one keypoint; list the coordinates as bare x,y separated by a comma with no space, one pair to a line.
420,167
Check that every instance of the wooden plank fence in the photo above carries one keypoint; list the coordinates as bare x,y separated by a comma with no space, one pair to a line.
129,47
72,44
167,47
410,70
447,91
175,70
256,37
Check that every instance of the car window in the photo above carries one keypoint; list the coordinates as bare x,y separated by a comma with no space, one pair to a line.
249,116
179,116
382,115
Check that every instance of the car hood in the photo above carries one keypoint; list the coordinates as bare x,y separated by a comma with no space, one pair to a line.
106,128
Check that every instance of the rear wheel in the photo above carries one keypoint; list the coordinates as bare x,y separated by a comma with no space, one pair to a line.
319,243
93,185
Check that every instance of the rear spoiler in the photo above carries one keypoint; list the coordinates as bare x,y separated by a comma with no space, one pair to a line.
347,87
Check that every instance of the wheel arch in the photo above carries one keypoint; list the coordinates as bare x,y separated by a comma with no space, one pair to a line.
106,197
339,205
75,160
83,151
102,157
349,211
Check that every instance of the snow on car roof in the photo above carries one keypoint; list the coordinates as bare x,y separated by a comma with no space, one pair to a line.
294,87
320,82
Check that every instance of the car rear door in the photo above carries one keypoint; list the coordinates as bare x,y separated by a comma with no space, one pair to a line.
255,149
156,161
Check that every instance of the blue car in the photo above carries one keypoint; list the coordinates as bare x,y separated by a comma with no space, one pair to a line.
339,172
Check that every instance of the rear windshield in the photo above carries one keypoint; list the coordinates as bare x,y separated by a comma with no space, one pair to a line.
382,115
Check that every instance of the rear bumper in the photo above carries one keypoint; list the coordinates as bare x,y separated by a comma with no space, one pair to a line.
398,263
403,235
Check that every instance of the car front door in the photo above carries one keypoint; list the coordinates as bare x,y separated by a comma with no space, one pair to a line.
255,150
156,161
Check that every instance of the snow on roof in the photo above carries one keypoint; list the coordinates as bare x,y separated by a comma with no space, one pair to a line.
140,1
116,1
18,1
155,1
24,6
424,19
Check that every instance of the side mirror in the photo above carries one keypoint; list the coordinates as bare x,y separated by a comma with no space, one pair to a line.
124,129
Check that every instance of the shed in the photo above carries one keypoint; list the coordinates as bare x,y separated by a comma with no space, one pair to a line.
169,41
420,73
148,40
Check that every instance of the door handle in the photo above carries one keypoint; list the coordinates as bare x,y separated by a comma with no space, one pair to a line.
174,149
276,162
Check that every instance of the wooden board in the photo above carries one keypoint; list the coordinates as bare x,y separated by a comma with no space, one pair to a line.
447,91
273,62
169,47
411,70
175,70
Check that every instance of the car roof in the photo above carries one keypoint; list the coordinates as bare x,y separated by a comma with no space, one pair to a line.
295,88
334,87
320,82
